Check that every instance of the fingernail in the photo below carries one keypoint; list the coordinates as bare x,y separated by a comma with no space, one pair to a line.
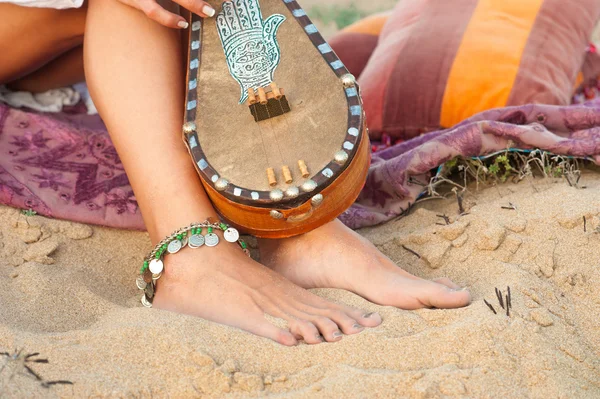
366,316
338,334
208,10
182,24
358,326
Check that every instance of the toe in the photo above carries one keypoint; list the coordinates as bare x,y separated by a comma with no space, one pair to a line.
346,323
261,327
447,282
436,295
364,317
307,330
328,328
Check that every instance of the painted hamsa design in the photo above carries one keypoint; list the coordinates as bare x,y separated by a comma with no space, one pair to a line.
250,44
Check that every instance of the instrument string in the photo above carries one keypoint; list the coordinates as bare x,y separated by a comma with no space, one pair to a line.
264,146
275,135
284,119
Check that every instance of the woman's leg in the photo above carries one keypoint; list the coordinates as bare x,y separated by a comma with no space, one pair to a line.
134,72
66,70
31,38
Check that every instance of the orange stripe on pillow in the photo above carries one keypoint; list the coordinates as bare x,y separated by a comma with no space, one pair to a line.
474,83
371,25
579,80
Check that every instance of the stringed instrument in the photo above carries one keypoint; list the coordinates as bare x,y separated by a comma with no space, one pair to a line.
273,121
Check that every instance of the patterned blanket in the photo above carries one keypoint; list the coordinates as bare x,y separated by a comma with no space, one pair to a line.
65,166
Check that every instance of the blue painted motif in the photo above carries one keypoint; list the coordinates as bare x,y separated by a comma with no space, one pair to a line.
355,110
325,48
202,164
337,64
298,13
250,43
311,29
351,92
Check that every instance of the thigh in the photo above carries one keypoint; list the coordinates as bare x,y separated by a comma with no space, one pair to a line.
32,37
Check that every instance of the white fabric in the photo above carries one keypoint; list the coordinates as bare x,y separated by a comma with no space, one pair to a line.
85,96
60,4
49,101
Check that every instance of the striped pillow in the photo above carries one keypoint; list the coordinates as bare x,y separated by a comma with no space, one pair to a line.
355,44
437,63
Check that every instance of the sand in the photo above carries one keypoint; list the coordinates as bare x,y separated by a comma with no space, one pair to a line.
68,292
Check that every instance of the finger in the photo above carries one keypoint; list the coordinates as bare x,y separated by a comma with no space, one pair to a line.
162,16
201,8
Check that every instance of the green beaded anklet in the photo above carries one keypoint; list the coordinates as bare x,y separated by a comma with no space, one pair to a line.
153,266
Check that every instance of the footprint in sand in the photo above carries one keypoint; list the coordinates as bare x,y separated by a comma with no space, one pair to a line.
542,317
491,238
40,251
516,225
452,231
248,382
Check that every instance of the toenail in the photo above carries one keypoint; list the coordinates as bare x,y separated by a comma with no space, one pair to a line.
367,315
320,337
338,334
357,326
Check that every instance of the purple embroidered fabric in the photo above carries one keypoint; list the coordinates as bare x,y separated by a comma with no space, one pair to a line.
65,166
571,130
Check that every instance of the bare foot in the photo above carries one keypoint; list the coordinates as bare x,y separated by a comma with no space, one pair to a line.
224,285
333,256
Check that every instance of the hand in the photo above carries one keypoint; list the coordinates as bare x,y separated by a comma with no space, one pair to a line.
250,43
169,19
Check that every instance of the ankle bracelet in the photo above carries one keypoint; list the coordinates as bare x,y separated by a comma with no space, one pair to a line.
153,266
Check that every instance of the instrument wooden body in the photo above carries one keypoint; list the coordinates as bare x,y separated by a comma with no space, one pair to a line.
271,170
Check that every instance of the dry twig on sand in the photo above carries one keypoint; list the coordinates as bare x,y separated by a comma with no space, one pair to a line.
411,251
490,306
20,363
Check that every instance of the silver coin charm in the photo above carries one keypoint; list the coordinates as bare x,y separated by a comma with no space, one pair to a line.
156,266
146,302
149,291
174,246
141,284
231,235
147,276
211,239
196,241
